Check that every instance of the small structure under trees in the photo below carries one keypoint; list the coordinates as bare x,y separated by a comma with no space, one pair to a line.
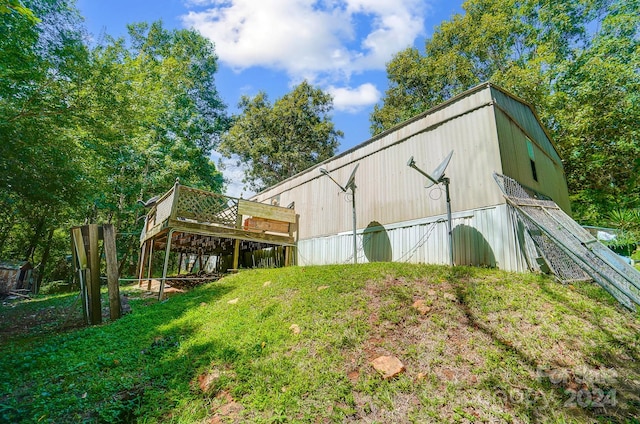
15,276
209,226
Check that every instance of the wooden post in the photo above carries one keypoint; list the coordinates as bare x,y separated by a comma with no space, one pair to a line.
236,247
174,204
150,265
141,259
95,312
109,238
74,257
80,267
166,264
236,254
290,250
192,265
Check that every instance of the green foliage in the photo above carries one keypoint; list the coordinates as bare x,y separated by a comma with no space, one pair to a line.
627,222
85,131
494,345
152,115
577,62
41,168
280,140
11,6
597,111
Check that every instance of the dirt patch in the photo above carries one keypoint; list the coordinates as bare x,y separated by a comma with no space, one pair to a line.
194,280
20,321
436,347
23,318
227,409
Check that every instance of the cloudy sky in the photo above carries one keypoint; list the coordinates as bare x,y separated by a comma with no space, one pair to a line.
341,46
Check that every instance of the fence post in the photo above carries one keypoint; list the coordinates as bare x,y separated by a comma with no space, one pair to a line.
95,312
109,238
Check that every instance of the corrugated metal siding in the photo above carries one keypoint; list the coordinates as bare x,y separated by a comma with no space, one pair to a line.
516,161
525,116
388,190
485,237
486,130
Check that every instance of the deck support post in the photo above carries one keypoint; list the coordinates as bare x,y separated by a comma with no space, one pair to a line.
166,264
236,254
95,313
143,258
150,265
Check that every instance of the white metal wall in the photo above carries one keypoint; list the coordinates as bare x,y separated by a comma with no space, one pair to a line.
515,161
388,191
483,237
398,219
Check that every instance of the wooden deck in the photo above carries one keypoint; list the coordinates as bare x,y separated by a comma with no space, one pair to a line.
187,220
192,211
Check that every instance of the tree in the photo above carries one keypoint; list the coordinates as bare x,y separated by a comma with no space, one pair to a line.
595,115
15,6
154,115
41,173
85,133
280,140
576,61
627,222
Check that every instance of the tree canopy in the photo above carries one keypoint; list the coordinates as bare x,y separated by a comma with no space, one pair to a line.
279,140
577,62
86,131
15,6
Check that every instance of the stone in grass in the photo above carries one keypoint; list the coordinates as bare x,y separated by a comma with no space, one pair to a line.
450,296
320,288
233,301
295,329
421,307
206,380
388,366
266,284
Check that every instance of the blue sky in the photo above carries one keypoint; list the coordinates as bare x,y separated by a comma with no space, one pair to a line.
340,46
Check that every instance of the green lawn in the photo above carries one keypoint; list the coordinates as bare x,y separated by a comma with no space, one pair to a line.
495,346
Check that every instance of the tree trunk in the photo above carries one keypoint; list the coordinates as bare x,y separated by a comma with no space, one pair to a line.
5,230
43,262
123,261
34,240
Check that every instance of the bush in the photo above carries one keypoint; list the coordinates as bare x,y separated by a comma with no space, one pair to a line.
58,287
636,255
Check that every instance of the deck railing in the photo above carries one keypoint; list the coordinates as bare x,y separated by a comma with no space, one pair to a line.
206,207
189,204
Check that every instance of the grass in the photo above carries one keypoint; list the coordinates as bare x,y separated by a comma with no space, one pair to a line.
295,345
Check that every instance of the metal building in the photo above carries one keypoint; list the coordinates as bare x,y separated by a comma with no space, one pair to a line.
398,219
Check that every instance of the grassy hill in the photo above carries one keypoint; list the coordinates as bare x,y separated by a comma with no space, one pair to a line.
295,345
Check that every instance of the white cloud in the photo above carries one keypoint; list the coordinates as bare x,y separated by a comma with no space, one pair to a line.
233,173
323,41
354,100
306,37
